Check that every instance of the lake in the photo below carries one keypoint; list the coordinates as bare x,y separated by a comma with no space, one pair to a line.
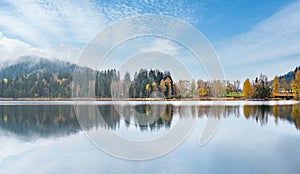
41,137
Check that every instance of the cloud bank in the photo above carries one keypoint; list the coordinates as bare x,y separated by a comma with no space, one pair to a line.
12,49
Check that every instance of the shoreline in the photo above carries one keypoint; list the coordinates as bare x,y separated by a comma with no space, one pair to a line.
136,99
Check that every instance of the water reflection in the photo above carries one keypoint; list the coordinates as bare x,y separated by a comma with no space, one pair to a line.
290,113
144,117
46,121
41,121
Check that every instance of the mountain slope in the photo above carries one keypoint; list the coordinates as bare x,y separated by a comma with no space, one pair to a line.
28,65
289,76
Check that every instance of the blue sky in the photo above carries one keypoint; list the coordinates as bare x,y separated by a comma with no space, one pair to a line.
225,19
249,36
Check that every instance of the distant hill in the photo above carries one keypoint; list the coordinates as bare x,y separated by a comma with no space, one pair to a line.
28,65
289,76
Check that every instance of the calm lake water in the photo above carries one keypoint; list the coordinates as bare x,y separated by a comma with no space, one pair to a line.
248,139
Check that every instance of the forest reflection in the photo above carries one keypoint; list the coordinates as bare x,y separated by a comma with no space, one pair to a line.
56,121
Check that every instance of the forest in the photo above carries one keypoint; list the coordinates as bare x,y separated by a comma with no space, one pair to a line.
56,79
286,86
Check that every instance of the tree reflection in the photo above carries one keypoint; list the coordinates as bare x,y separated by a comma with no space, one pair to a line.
38,120
295,115
290,113
45,121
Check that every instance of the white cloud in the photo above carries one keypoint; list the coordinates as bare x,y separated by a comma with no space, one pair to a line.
184,10
163,46
12,145
12,49
38,27
276,37
50,29
46,23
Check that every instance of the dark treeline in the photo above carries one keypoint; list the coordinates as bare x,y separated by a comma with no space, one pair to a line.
38,84
43,83
108,83
103,82
146,82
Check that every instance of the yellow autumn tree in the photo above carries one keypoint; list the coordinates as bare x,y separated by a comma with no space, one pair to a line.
162,86
247,88
275,86
201,92
297,80
295,85
5,80
148,89
168,82
154,85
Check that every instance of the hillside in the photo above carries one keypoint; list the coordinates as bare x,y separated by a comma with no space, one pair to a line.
35,77
289,76
28,65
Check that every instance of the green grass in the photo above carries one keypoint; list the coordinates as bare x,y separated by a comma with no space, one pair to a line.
235,94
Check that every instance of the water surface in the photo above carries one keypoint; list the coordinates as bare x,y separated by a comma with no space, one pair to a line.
249,139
